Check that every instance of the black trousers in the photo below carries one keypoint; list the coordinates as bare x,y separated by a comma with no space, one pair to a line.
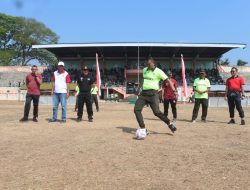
84,98
151,98
204,103
235,101
35,99
94,99
76,105
173,106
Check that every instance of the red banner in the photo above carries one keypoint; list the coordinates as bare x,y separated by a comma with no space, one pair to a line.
98,76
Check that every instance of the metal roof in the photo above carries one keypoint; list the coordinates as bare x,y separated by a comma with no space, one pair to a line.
130,49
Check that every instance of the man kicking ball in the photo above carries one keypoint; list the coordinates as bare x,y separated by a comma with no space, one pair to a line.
149,95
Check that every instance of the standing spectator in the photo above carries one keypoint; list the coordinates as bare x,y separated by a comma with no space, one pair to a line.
33,82
191,97
60,91
84,82
77,97
94,98
234,94
170,96
149,94
201,87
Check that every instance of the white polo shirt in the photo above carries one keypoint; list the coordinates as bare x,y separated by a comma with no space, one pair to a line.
61,80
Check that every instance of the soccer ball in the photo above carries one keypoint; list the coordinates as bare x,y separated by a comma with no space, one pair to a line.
141,134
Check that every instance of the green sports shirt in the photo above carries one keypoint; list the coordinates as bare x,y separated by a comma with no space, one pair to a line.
77,89
152,77
94,90
201,85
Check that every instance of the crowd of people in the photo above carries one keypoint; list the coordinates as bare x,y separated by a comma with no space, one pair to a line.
115,76
110,77
148,95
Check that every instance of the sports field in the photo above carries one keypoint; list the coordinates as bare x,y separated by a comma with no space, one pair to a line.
104,154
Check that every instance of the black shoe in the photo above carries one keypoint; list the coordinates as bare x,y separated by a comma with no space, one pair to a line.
90,120
203,121
97,109
35,119
52,120
79,119
232,121
63,121
242,122
172,127
23,119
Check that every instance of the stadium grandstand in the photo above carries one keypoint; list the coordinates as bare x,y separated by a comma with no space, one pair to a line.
121,64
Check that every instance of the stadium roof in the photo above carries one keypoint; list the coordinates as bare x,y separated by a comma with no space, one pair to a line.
130,49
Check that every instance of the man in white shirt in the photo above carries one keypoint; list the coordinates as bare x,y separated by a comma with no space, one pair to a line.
60,91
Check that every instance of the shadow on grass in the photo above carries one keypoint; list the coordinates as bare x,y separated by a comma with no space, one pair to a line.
133,130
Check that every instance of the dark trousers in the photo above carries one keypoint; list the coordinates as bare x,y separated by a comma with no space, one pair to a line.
204,103
235,101
35,99
84,98
173,106
94,99
76,106
151,98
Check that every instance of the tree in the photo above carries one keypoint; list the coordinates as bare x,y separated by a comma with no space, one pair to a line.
18,34
225,62
241,62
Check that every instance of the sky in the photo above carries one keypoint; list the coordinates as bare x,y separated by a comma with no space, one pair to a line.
189,21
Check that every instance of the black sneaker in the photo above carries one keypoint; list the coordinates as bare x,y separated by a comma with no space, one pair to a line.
35,119
232,121
23,119
242,122
203,121
172,127
52,120
90,120
79,119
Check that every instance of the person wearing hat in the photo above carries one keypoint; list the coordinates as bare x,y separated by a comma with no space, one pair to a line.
169,95
84,82
201,87
60,91
234,94
149,94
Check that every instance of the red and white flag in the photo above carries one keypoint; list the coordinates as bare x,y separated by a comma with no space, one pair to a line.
184,78
98,76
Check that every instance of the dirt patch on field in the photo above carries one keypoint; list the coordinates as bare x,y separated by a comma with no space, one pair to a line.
104,155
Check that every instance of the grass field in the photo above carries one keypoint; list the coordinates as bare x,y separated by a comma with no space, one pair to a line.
104,154
46,86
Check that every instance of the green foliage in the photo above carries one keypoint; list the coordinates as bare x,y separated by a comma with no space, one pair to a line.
18,34
241,62
224,62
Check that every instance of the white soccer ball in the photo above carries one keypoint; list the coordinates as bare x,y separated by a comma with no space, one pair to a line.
141,134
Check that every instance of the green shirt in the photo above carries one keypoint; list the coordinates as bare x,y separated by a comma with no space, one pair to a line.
94,90
151,78
77,89
201,85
